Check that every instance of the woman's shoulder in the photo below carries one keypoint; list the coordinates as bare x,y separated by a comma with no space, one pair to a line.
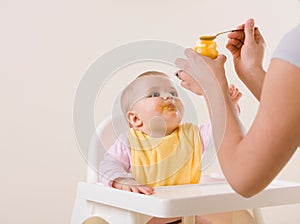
288,48
292,36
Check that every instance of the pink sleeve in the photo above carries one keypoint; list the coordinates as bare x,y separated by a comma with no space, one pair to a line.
206,136
208,145
120,150
116,162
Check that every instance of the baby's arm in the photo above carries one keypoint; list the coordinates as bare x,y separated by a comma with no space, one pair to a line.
111,168
115,169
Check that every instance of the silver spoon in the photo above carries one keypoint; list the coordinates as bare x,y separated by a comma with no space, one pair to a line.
215,36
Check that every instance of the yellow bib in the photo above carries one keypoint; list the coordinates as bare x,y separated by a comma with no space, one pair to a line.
172,160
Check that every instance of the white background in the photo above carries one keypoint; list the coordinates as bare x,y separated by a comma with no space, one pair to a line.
45,49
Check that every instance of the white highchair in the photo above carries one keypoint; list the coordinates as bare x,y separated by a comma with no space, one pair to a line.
97,204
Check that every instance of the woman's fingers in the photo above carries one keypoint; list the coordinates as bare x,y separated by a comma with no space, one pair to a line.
181,63
221,59
259,38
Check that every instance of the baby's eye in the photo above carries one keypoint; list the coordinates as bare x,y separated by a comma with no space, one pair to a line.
154,94
175,94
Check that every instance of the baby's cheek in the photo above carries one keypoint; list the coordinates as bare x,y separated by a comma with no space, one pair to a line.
159,108
155,106
179,105
181,109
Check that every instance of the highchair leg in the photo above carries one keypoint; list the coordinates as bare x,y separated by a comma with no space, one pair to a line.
82,210
118,215
188,219
258,217
100,213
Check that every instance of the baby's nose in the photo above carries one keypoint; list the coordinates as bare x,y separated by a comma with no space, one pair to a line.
167,96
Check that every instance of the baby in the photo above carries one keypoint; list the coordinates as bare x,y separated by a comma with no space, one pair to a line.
159,150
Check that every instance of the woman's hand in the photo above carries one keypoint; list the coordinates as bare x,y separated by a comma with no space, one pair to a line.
188,82
201,74
247,49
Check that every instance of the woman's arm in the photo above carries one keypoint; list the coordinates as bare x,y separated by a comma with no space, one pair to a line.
251,162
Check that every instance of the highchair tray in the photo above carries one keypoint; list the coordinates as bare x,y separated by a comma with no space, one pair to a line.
215,195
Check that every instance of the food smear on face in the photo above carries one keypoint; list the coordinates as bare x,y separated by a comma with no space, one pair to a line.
169,107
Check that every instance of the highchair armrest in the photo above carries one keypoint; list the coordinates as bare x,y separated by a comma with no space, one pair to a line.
187,200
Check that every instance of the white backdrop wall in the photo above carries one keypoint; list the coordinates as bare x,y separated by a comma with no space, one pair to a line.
47,46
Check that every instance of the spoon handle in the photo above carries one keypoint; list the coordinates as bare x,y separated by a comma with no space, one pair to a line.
228,31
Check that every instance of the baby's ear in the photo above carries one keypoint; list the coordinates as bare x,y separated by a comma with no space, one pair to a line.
133,119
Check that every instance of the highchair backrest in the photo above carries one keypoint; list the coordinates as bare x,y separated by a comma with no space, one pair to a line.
105,135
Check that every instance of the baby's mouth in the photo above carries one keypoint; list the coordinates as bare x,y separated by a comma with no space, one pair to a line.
169,107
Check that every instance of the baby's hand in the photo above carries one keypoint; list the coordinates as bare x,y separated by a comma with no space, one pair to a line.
235,96
130,184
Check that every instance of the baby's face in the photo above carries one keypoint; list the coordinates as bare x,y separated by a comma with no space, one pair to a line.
157,104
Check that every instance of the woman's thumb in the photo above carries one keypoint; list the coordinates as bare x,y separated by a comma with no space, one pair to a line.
221,59
249,30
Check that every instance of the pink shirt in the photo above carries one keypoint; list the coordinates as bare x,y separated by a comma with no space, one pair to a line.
117,160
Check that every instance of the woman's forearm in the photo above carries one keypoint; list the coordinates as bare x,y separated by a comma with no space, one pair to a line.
254,81
230,144
251,161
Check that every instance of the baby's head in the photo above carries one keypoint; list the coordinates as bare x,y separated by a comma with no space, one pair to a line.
151,104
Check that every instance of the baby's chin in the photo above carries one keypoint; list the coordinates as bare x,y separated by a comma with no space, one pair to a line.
172,125
162,126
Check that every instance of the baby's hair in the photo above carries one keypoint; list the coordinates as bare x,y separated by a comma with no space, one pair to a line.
126,103
148,73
